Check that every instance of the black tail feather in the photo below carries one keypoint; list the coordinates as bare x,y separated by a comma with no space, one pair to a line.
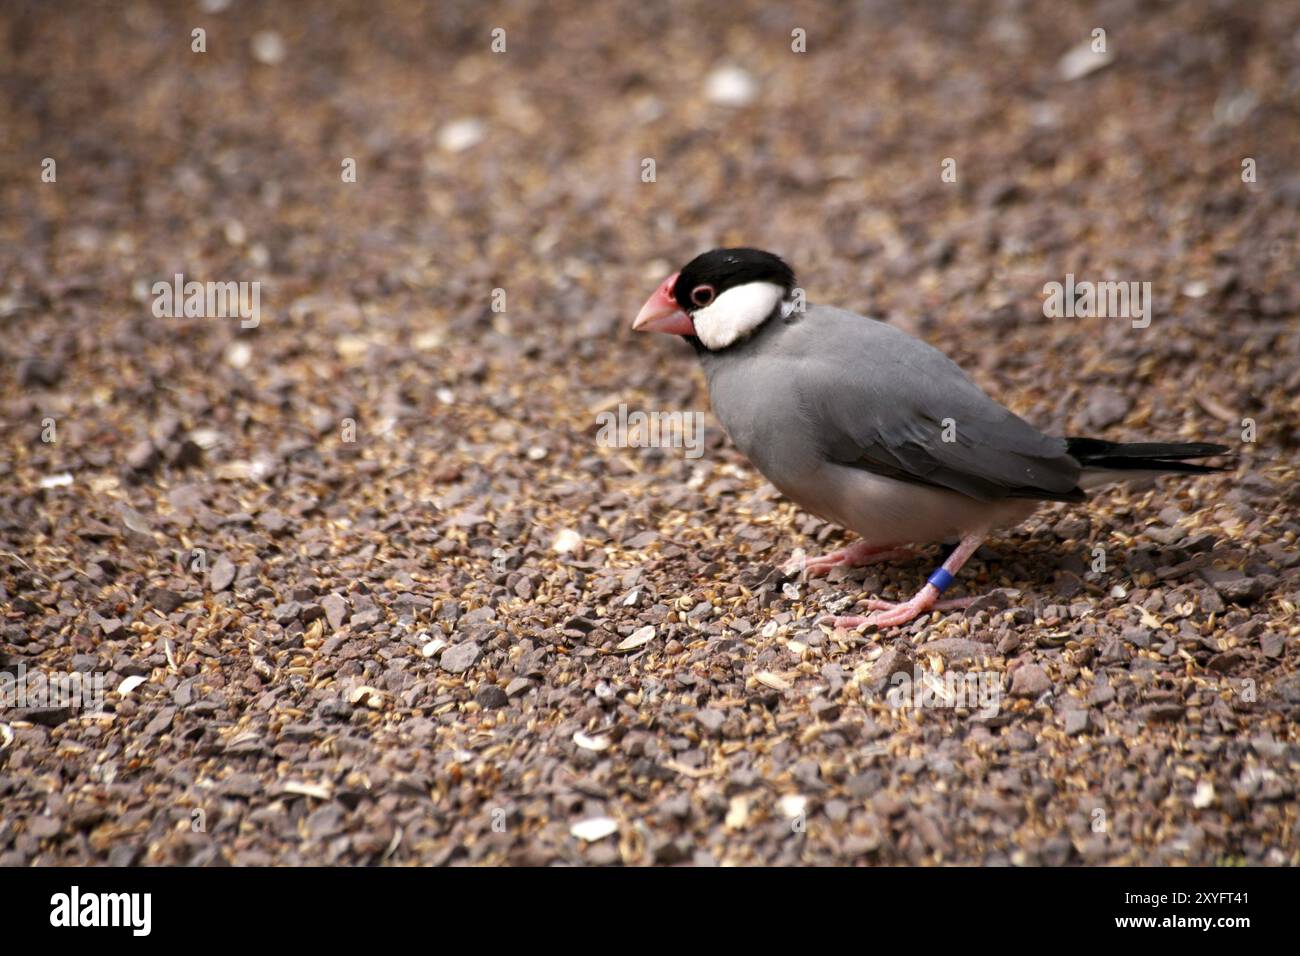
1145,456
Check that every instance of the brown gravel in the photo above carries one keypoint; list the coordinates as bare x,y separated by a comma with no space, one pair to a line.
361,651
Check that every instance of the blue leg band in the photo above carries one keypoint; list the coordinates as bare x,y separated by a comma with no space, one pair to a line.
940,579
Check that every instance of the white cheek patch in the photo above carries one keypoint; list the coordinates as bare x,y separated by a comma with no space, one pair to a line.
736,313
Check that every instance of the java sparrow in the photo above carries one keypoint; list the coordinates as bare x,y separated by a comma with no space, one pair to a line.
872,429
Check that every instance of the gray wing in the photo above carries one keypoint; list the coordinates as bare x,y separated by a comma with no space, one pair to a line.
889,403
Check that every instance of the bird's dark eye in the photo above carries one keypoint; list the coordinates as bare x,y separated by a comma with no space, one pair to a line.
702,295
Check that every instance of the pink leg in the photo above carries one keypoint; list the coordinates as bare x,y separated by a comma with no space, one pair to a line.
888,614
857,555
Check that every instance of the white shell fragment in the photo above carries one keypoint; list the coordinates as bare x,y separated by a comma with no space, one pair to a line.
567,541
239,354
638,638
1080,61
129,684
730,86
268,48
371,696
591,743
597,828
319,791
459,135
792,805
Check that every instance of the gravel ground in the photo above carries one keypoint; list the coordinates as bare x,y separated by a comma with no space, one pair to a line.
386,598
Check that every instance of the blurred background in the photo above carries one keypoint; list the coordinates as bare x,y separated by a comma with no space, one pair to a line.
522,170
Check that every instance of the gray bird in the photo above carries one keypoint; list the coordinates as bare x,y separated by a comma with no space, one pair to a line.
872,429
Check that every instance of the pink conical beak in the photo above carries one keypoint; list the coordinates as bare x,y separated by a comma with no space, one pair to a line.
661,313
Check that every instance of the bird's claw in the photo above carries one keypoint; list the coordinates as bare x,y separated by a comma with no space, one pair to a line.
857,555
893,613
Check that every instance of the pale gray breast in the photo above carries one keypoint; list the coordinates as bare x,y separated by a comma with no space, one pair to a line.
756,391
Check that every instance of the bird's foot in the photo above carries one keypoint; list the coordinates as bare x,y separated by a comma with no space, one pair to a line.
857,555
895,613
889,614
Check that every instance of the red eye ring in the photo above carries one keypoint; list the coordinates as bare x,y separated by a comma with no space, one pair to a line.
702,295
